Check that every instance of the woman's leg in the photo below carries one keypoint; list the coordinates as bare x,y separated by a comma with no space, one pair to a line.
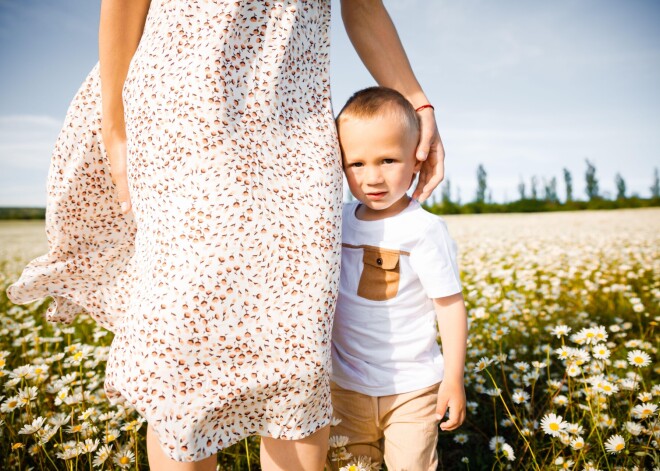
158,460
306,454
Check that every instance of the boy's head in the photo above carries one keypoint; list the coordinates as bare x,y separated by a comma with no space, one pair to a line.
378,135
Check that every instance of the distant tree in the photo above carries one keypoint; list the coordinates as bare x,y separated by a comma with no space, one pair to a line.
481,184
446,193
521,189
620,187
490,196
534,187
550,190
458,195
592,181
568,181
655,188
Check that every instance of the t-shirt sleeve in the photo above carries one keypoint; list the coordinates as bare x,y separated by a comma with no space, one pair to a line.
433,259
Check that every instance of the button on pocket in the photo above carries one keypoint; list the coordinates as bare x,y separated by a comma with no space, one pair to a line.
380,276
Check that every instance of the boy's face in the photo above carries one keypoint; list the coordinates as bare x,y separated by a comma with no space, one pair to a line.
379,161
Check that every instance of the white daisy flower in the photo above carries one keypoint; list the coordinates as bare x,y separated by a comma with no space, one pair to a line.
483,363
553,424
337,441
600,333
46,433
124,458
639,358
28,394
521,366
634,428
111,435
22,372
507,451
575,429
59,419
10,404
70,450
600,351
568,464
520,396
102,454
461,438
615,444
496,442
573,370
340,454
644,396
90,445
577,443
644,411
34,427
563,353
561,330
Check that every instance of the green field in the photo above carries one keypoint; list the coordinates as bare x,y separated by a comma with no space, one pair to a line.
562,366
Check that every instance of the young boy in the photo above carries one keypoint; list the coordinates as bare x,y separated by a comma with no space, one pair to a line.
390,384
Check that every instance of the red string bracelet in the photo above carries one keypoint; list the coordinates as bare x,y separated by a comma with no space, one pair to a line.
428,105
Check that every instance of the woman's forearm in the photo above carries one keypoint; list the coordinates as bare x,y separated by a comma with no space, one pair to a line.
376,41
120,29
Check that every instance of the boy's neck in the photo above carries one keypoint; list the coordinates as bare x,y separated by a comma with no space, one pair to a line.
365,213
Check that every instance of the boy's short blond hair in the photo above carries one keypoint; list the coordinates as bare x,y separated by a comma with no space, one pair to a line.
373,101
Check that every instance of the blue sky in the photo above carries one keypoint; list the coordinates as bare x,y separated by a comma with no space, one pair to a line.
522,86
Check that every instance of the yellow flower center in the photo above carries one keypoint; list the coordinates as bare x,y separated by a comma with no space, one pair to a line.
124,460
554,426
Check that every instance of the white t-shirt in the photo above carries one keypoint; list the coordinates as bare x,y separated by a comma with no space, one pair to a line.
384,330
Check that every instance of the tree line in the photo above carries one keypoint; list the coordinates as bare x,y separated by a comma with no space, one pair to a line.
544,195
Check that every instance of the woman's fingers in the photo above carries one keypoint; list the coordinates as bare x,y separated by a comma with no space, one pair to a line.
116,149
432,154
122,192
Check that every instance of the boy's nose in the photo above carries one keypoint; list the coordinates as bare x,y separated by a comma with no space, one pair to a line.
373,176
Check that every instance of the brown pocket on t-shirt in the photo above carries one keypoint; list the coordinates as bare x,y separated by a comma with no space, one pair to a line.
380,276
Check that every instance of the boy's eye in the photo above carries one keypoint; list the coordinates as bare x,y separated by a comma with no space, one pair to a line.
356,164
388,161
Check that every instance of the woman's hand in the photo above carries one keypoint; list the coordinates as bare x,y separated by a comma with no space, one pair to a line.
115,145
432,153
451,395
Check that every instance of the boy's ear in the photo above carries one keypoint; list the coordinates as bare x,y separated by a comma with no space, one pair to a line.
418,165
416,169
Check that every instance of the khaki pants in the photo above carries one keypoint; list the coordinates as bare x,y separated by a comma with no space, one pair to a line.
401,428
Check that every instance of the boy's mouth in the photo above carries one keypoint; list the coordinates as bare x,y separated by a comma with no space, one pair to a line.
376,195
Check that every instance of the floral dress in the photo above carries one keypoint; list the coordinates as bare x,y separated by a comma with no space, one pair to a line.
220,285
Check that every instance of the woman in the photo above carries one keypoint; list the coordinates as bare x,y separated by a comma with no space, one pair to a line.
218,275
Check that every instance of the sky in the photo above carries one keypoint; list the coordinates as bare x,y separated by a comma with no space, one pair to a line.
523,87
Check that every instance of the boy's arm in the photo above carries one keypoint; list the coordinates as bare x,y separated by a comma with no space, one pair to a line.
452,323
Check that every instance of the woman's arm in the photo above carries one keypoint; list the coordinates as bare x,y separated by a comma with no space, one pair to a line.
120,29
376,41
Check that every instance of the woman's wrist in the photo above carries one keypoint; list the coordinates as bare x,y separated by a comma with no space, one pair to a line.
113,124
418,99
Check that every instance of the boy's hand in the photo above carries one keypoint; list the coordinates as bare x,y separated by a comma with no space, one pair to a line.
452,395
